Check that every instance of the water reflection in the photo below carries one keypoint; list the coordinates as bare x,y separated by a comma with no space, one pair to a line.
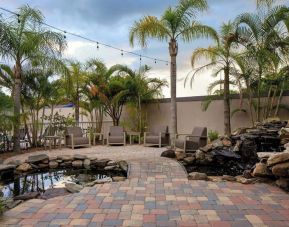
39,182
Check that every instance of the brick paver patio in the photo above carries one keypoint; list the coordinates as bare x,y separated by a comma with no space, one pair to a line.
156,193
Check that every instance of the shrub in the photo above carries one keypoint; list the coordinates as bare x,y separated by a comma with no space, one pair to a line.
213,135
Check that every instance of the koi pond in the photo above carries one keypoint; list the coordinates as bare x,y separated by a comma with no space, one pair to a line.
16,185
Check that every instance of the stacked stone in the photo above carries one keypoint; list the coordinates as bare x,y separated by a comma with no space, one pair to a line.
275,166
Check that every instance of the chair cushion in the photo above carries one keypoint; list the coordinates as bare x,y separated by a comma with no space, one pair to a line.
152,139
78,141
116,131
115,139
76,131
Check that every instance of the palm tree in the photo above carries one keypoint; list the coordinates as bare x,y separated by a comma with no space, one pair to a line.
222,58
175,24
260,34
23,38
75,80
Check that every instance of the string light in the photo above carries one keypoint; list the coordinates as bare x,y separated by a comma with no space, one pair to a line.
155,61
18,18
91,40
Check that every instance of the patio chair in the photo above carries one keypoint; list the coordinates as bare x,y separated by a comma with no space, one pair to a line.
23,139
191,142
75,138
116,136
158,137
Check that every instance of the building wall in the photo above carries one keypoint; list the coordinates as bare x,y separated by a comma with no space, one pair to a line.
190,114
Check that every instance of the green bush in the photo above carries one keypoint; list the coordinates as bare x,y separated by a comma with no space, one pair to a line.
213,135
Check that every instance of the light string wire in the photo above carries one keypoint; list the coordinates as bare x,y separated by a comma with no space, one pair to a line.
155,60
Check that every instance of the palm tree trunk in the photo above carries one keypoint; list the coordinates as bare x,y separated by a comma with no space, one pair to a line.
173,49
227,119
259,97
17,106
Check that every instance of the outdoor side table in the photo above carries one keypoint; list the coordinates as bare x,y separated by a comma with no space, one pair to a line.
101,137
53,141
131,134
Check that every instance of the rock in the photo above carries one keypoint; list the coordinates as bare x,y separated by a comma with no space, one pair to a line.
261,170
207,148
66,164
6,167
123,165
73,188
278,158
118,178
266,155
228,178
54,192
111,163
86,164
53,164
37,158
77,163
27,196
79,157
217,143
24,167
14,163
281,170
109,168
59,160
103,180
283,183
65,157
52,158
226,154
247,174
101,163
243,180
237,146
198,176
90,184
180,155
189,160
10,204
200,155
43,165
168,154
227,142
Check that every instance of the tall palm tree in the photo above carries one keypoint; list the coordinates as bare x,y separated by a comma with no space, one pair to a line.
222,58
175,24
22,39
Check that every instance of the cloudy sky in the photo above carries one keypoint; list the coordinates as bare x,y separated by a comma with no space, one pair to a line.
109,21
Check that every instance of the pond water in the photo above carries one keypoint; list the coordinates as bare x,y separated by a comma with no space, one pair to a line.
40,181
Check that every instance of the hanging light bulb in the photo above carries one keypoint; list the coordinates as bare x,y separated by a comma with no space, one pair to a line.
64,36
155,61
140,58
18,18
122,53
97,46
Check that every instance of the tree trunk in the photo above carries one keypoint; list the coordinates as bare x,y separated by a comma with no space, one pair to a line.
173,49
17,106
227,118
77,112
259,97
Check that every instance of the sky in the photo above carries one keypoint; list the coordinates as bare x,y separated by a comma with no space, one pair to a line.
109,21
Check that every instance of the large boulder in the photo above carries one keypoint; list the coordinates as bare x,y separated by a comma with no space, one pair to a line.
38,158
80,156
261,170
53,164
24,167
281,170
77,163
65,158
207,148
86,164
73,188
189,160
180,155
278,158
197,176
6,167
168,154
27,196
123,165
283,183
